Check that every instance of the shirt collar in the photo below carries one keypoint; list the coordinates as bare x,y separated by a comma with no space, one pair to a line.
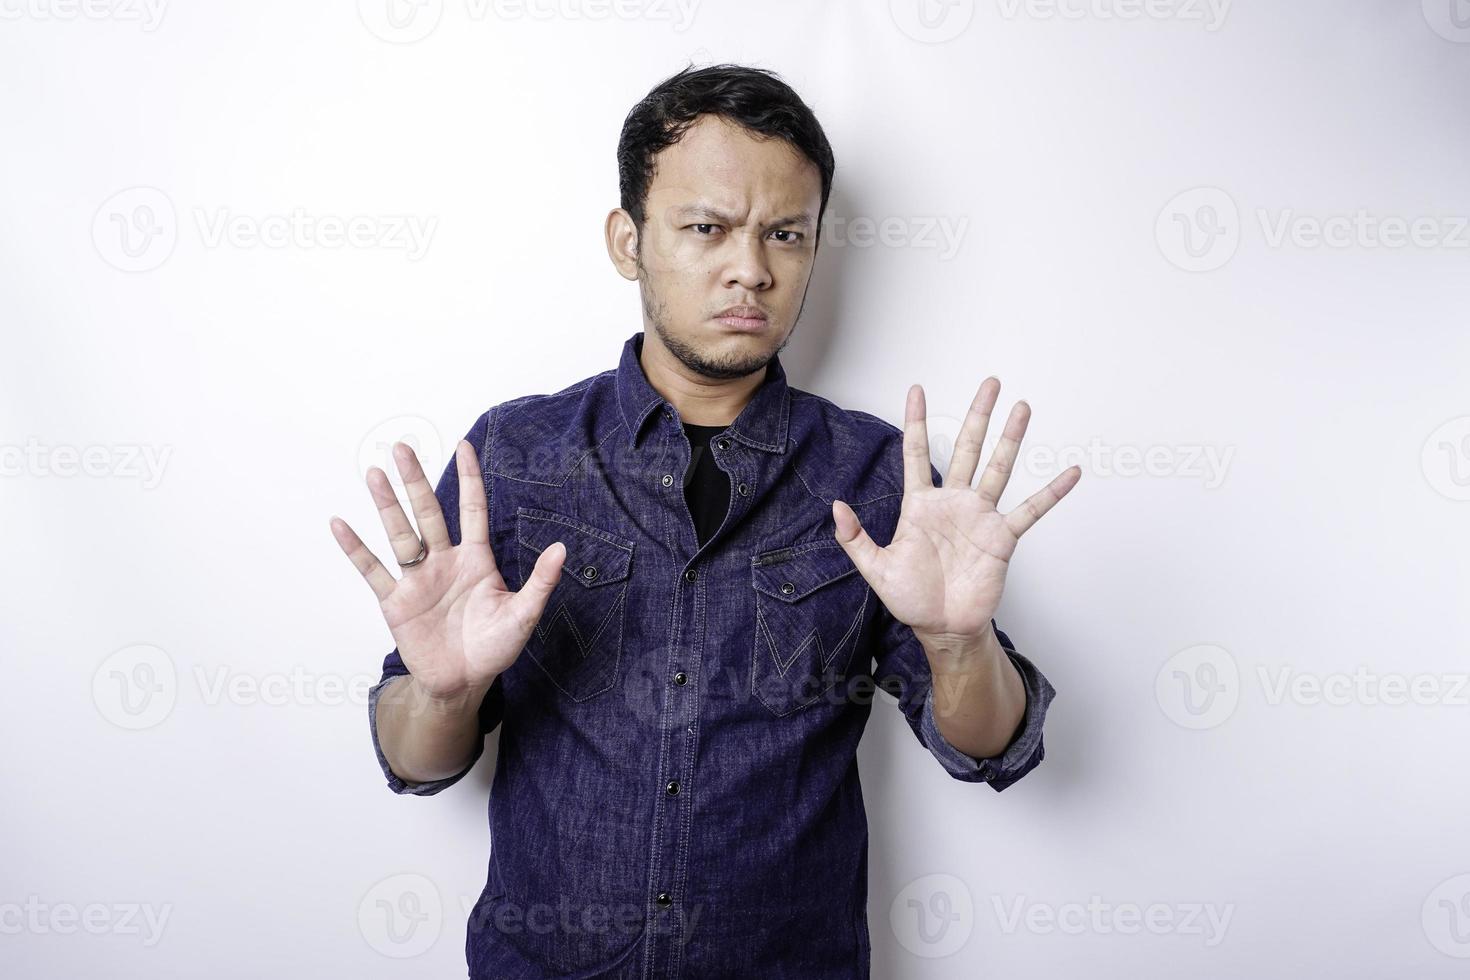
761,424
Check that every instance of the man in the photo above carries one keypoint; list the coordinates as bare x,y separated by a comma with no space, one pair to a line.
664,585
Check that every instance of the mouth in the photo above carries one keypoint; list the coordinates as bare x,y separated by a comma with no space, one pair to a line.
745,318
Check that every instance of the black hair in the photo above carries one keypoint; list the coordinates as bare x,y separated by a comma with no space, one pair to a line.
754,98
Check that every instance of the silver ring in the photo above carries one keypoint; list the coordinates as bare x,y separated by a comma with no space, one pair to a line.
423,553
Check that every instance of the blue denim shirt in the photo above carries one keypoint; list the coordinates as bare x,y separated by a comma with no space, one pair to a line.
676,792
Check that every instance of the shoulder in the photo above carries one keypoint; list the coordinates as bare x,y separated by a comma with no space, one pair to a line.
861,454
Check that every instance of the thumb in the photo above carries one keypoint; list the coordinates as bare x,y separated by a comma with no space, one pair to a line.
542,580
863,550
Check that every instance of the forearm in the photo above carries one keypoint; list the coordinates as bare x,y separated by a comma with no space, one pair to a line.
425,738
979,699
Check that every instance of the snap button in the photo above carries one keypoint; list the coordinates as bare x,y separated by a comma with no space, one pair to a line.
589,573
668,479
664,900
672,788
787,588
723,443
681,678
744,490
690,575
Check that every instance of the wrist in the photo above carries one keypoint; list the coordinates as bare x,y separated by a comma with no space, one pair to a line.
962,652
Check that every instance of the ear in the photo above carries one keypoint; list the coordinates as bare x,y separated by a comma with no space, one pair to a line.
621,235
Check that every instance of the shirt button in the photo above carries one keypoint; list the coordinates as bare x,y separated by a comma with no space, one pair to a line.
690,575
664,900
672,788
723,443
589,573
668,479
787,588
744,490
681,678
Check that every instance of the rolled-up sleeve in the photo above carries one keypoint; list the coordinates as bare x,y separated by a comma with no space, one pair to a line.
903,670
492,706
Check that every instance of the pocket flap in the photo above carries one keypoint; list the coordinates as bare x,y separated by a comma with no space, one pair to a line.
791,574
594,557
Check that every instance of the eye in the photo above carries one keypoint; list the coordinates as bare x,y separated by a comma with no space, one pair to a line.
700,226
796,236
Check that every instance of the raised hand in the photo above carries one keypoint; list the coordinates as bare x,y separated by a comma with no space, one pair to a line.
945,569
456,624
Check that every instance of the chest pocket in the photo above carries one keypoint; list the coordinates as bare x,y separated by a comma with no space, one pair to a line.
810,604
579,639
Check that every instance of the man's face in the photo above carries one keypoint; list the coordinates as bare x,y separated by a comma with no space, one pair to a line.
730,221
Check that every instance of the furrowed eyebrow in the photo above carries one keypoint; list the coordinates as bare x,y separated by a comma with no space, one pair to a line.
715,215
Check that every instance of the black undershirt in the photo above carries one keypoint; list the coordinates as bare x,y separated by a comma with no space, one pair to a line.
706,487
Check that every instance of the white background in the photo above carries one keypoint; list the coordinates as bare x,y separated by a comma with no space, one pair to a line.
1327,546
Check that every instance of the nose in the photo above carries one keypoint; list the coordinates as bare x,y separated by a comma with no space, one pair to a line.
747,265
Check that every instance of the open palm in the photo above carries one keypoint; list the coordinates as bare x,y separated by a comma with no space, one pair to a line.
455,623
943,572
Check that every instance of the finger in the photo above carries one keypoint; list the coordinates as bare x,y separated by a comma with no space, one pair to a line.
421,497
861,548
1043,500
474,526
402,538
970,441
993,481
915,443
531,599
378,578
